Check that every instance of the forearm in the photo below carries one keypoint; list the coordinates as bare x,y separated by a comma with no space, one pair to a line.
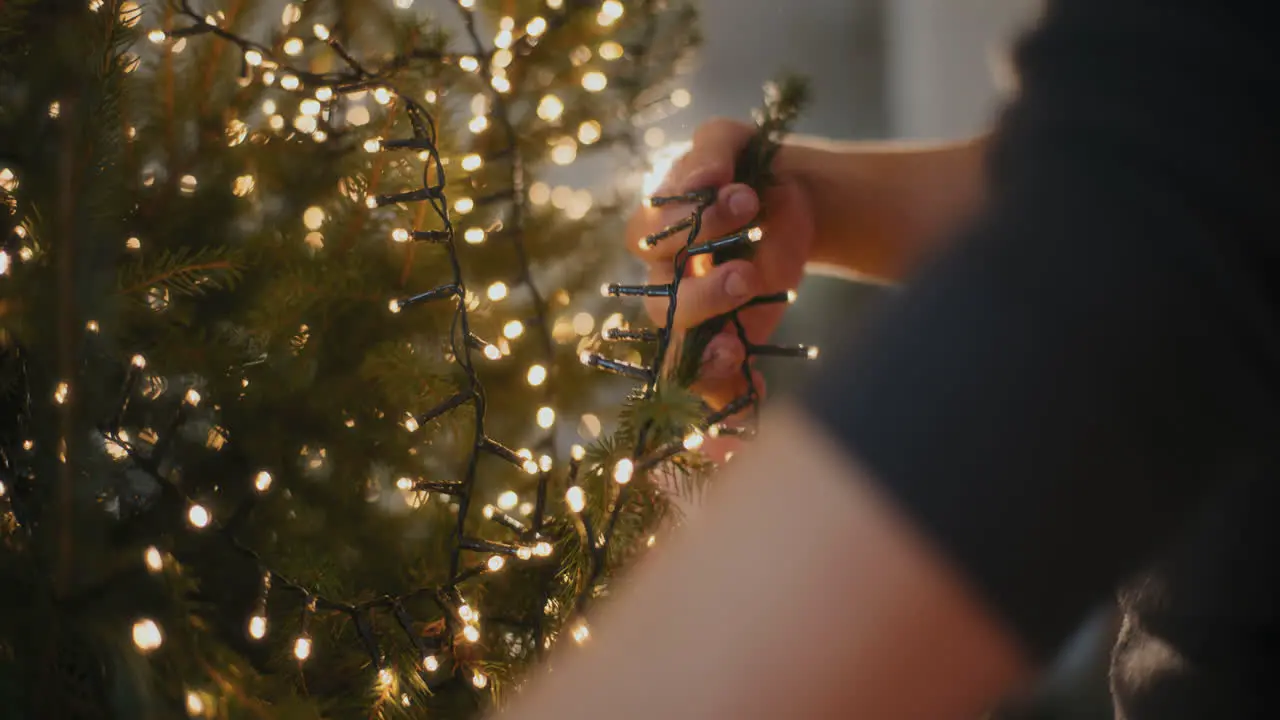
881,206
829,607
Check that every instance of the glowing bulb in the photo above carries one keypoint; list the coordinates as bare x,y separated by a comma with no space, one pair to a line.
681,98
812,353
371,202
474,236
400,235
792,296
611,10
386,677
555,4
466,613
156,36
309,107
564,151
577,452
623,471
253,58
195,705
492,352
536,26
581,632
537,375
153,559
610,50
324,94
508,500
546,417
497,291
313,217
382,96
243,185
543,549
147,635
138,361
464,205
373,145
430,663
524,552
292,14
293,46
755,234
472,635
198,516
472,162
479,679
358,115
431,96
192,397
395,307
694,440
8,180
257,627
513,329
576,499
268,77
501,84
550,108
478,124
320,31
589,132
92,326
188,184
468,63
595,81
496,563
302,648
60,393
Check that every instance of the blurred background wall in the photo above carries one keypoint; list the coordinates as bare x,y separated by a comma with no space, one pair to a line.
881,69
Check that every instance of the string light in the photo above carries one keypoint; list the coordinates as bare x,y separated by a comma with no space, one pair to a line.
581,632
302,648
478,124
543,549
496,563
472,162
382,96
276,122
147,635
257,626
195,705
430,663
192,397
508,500
464,205
623,471
472,635
153,559
262,481
595,81
546,417
291,14
564,151
386,678
536,26
576,499
310,107
467,4
694,440
513,329
537,375
589,132
198,516
253,58
324,94
468,64
550,108
610,50
479,679
293,46
8,180
157,36
497,291
320,31
133,243
610,12
60,393
681,98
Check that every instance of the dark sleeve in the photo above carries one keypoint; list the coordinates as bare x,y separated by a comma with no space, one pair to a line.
1050,398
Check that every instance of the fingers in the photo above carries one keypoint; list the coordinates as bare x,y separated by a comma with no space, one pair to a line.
722,289
710,162
656,234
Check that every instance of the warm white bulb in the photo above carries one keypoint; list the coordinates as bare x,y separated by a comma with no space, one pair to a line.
537,375
469,63
320,31
195,704
564,151
577,452
410,423
610,50
543,549
258,627
492,352
400,235
546,417
404,483
472,162
812,353
581,632
198,516
595,81
513,329
156,36
253,57
313,217
302,648
474,236
792,296
309,107
192,397
464,205
498,291
386,678
138,361
623,471
147,635
508,500
324,94
290,82
467,4
471,634
395,307
382,96
479,679
430,663
589,132
550,108
694,440
524,552
755,234
262,481
576,498
536,26
153,559
293,46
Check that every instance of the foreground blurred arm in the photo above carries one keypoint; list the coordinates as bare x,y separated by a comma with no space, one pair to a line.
831,607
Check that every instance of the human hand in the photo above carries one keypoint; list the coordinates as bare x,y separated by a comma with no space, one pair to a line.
707,290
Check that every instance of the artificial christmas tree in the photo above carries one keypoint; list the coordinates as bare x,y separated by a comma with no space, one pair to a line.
281,294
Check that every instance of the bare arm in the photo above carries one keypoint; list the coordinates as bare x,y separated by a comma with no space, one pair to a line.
835,609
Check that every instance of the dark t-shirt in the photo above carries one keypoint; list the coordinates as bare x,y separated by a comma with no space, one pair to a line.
1088,381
